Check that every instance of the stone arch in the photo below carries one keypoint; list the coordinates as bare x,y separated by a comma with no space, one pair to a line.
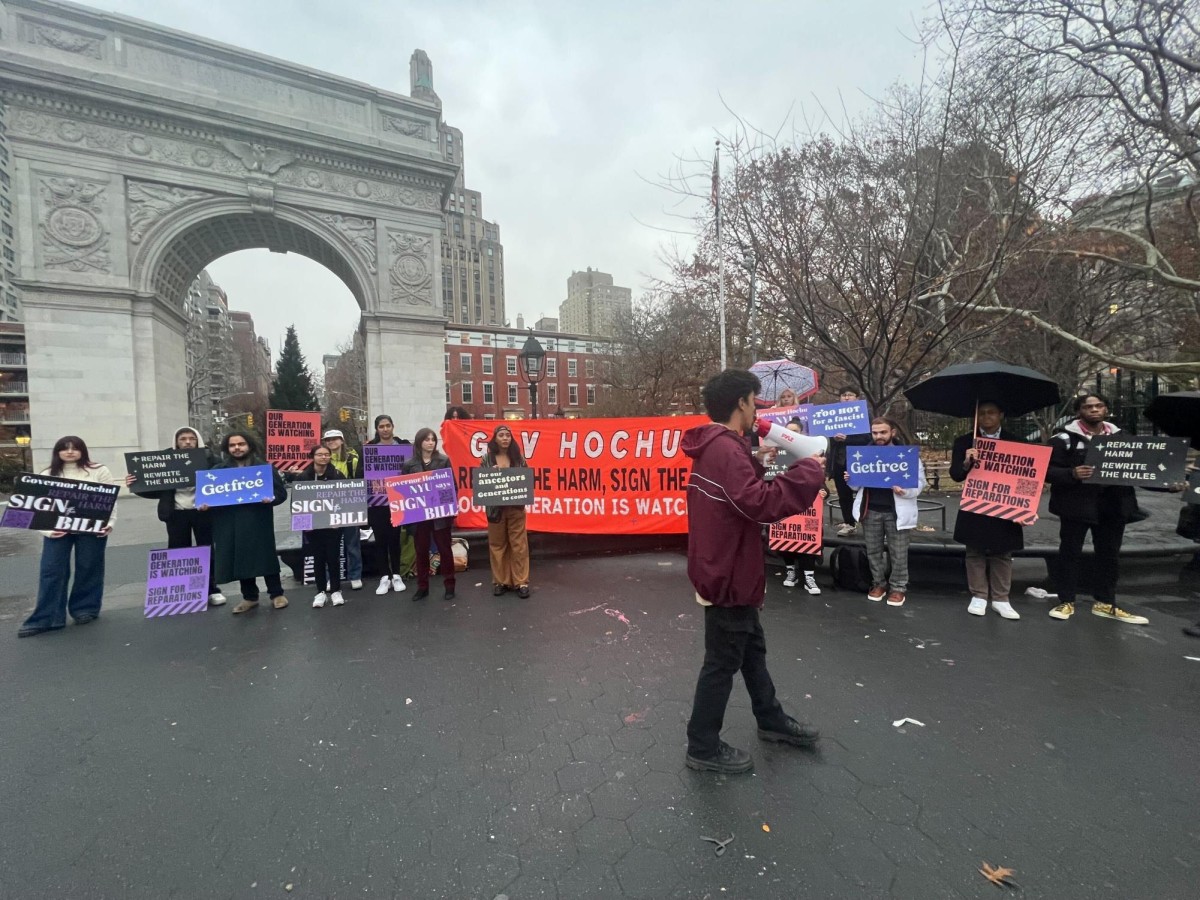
175,249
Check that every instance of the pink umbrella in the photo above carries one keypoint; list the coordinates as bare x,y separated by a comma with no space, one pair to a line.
778,374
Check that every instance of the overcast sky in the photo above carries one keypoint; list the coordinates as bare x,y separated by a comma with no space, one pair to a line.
568,110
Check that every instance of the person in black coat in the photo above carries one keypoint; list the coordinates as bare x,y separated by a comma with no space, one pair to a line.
837,465
1102,509
990,542
425,458
325,544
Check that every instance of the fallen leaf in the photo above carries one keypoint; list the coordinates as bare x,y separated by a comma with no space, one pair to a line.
766,827
997,875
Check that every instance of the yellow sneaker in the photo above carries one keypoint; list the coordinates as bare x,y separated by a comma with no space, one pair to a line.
1063,611
1112,611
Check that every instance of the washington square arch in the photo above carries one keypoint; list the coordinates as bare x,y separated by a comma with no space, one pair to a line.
139,155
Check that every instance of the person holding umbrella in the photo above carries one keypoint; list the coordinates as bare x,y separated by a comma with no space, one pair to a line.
990,541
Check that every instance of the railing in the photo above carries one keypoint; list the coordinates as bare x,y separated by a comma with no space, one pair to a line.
14,418
14,387
12,359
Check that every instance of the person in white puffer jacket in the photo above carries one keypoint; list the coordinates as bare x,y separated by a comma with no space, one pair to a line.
70,459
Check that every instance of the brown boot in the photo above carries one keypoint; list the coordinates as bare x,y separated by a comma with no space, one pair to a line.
279,602
245,606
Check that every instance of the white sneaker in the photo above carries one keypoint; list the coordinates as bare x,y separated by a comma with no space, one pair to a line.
337,598
385,584
978,607
356,584
810,583
217,599
1005,609
397,583
789,580
319,600
845,529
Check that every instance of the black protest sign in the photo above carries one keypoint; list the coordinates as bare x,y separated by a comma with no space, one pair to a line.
164,470
46,503
502,487
1136,461
328,504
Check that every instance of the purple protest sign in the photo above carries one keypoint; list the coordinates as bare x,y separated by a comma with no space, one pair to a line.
422,496
177,581
382,461
781,415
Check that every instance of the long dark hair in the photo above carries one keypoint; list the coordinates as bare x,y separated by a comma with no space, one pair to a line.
85,461
514,451
420,439
456,412
251,442
379,418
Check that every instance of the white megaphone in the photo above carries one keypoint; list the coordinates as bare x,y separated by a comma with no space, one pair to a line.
798,445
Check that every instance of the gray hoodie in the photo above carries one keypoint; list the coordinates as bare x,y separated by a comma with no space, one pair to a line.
185,498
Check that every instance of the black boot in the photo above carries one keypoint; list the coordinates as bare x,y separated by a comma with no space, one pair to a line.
792,732
728,761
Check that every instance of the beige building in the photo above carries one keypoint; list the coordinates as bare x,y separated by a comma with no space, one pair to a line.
594,305
10,307
472,255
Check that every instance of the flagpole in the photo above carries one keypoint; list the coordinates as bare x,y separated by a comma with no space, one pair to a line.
720,248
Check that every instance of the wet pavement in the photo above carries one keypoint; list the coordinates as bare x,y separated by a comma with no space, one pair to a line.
497,747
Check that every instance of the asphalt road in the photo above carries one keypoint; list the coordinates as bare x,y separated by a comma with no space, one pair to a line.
496,747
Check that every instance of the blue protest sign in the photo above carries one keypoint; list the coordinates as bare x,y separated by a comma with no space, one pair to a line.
884,467
828,419
231,487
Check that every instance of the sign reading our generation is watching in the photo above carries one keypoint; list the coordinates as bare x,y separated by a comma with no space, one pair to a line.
291,436
1136,461
884,467
177,581
1006,481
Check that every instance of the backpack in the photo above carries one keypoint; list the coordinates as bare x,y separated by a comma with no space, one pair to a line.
459,547
850,570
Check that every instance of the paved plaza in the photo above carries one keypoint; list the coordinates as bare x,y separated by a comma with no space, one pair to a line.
494,747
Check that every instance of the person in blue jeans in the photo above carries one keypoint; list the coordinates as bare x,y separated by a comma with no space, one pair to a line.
57,593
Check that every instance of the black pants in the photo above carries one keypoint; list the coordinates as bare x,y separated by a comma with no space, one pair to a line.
326,547
733,642
387,538
845,499
249,586
1106,539
182,526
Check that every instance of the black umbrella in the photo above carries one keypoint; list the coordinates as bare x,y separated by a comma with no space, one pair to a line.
957,390
1177,414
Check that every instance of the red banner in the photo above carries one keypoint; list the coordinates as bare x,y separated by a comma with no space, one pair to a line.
803,533
1007,480
590,476
291,435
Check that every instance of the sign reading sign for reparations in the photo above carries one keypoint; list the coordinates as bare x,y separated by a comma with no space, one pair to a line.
803,533
177,581
1006,481
328,504
164,470
422,496
1136,461
291,436
828,419
46,503
502,487
884,467
233,487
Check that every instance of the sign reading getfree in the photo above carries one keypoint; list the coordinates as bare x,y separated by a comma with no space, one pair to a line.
884,467
233,487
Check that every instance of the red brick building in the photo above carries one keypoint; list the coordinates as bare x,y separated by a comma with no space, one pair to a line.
483,372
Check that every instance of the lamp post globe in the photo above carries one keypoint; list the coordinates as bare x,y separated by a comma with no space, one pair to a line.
533,369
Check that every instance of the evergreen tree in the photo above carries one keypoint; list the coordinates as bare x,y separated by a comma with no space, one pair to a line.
292,387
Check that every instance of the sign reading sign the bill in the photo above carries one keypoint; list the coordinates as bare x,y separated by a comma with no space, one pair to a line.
164,470
234,487
1136,461
1006,481
328,504
177,581
291,436
883,467
828,419
422,496
380,461
46,503
502,487
803,533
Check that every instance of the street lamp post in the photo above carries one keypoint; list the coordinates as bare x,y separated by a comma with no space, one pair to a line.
533,359
750,264
23,441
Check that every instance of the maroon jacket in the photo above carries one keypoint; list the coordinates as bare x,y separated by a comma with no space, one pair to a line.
728,503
